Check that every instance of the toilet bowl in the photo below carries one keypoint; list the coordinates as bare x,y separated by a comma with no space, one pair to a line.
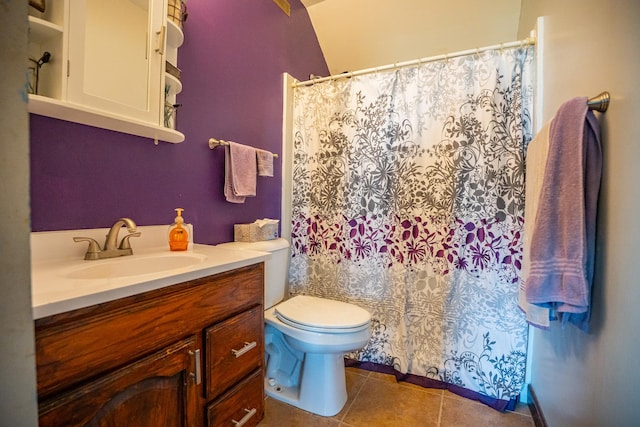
306,338
305,349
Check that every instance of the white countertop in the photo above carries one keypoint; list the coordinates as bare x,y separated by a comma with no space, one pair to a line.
56,259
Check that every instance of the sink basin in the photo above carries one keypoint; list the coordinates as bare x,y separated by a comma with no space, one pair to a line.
135,266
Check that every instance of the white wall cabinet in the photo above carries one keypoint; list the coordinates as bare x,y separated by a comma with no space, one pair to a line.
107,66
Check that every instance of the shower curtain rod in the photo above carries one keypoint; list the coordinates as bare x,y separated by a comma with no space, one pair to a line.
526,42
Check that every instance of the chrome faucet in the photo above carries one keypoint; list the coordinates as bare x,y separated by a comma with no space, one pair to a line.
109,249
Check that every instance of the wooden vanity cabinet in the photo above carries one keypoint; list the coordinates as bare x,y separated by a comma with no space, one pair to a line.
190,354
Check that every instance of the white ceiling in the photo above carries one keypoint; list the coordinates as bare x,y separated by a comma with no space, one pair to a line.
359,34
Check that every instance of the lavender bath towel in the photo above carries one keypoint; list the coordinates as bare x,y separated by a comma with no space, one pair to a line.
563,241
536,160
240,172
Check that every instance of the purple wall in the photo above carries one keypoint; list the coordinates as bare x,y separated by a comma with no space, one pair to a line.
232,62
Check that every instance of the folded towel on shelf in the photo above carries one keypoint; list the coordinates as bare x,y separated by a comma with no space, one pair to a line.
240,172
563,240
265,162
536,159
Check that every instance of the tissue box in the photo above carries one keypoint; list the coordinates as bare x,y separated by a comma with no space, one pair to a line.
254,233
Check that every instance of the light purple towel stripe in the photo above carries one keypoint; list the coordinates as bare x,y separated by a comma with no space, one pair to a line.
562,244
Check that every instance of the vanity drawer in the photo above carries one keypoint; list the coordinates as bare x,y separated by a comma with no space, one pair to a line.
245,402
234,348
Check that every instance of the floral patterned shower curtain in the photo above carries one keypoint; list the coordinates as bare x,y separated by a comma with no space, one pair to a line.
408,200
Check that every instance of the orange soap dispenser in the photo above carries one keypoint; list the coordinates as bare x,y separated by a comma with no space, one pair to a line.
178,233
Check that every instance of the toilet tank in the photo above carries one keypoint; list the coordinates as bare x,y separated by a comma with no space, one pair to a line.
276,268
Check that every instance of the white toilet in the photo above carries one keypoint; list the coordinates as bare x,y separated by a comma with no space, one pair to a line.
306,338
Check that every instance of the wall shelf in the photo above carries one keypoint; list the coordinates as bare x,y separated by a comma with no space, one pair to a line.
41,30
174,84
63,110
175,36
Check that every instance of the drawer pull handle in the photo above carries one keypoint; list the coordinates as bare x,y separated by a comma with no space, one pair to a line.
196,358
247,346
250,413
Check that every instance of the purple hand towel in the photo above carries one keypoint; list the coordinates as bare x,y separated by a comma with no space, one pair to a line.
240,172
563,241
265,162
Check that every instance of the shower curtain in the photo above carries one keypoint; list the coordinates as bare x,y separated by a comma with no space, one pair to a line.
408,200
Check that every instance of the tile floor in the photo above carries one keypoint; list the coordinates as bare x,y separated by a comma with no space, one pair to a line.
377,400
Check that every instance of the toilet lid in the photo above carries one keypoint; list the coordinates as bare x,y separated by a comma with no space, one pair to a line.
322,315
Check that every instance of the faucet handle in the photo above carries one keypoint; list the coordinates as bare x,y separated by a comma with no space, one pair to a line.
124,243
93,250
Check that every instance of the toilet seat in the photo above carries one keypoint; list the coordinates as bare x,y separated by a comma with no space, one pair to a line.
322,315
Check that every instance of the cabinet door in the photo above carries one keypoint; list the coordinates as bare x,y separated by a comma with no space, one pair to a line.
158,390
116,52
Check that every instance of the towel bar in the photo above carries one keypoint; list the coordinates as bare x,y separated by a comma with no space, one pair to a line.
213,143
600,102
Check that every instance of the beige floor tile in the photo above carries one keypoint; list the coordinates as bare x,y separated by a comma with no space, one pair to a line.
377,400
278,414
522,408
355,381
460,412
392,379
387,404
383,377
436,391
447,393
358,371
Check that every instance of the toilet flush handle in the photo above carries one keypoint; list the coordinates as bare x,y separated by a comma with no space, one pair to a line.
247,346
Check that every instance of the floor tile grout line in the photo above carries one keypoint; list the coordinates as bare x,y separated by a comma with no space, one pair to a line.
440,411
354,398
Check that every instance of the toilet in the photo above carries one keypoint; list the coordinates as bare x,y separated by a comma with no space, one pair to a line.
305,338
